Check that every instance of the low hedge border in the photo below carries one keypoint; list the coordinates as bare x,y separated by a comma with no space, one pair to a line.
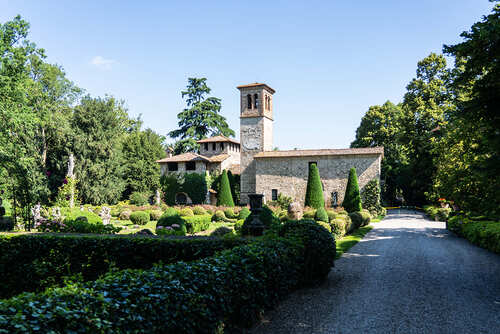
34,262
227,291
485,234
195,224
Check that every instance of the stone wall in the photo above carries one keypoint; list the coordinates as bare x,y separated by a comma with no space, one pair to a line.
201,167
289,174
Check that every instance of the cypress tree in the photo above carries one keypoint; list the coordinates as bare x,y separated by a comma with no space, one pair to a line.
230,177
352,199
224,196
314,191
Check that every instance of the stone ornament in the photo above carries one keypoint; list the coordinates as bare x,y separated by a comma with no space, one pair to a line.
105,215
295,211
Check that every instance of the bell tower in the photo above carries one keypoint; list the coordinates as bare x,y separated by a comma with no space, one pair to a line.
256,130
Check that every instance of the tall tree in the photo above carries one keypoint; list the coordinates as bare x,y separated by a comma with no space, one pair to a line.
314,189
200,119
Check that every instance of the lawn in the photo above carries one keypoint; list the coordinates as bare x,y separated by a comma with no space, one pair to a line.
345,243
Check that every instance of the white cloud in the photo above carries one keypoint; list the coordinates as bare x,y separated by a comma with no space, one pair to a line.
102,62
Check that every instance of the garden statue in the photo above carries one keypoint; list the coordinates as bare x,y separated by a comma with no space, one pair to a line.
256,227
56,213
105,215
70,175
36,214
295,211
157,197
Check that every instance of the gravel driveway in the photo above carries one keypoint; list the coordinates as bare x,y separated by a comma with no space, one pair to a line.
408,275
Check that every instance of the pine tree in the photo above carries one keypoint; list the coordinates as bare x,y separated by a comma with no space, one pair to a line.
352,198
224,197
314,191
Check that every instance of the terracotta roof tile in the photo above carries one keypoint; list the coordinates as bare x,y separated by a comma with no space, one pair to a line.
256,84
326,152
218,139
184,158
218,158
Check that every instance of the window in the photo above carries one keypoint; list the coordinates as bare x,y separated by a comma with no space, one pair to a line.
214,147
255,101
267,102
313,162
249,101
274,194
172,166
222,146
206,146
191,165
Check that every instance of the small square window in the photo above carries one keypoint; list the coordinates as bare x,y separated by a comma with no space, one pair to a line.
172,166
214,147
222,146
206,146
191,165
274,194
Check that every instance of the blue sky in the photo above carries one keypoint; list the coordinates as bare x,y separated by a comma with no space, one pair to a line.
327,60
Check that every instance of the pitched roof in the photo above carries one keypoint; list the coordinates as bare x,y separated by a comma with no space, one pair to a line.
218,139
235,169
256,84
321,152
184,157
218,158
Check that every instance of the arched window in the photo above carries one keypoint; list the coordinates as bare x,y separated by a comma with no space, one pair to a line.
267,102
255,101
249,101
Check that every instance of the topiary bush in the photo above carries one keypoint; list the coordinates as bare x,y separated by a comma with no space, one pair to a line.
325,225
221,231
360,218
155,214
331,215
309,213
186,212
352,198
198,223
125,214
338,226
319,249
219,216
138,198
198,210
171,225
229,212
224,196
140,217
244,213
170,212
321,215
314,190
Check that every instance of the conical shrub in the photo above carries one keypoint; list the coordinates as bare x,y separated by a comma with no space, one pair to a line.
352,199
314,191
224,196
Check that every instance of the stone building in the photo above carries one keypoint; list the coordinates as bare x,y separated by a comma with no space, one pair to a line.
270,172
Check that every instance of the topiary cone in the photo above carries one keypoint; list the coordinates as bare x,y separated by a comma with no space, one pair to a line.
314,191
224,196
352,198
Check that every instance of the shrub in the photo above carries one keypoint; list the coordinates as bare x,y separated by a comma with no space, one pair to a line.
224,292
138,198
309,213
321,215
221,231
229,212
170,212
195,186
154,214
370,196
198,223
244,213
6,223
331,215
238,226
318,248
283,215
283,201
325,225
359,219
224,196
338,226
314,190
352,199
219,216
172,230
186,212
443,214
266,216
170,186
125,214
198,210
140,217
485,234
82,225
33,262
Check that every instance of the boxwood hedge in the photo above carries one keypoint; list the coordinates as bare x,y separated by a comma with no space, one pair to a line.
226,291
34,262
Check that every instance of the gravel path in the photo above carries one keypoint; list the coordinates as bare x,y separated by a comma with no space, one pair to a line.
408,275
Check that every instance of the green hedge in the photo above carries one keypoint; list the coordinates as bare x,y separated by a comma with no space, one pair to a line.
140,217
33,262
485,234
359,219
224,292
314,190
197,224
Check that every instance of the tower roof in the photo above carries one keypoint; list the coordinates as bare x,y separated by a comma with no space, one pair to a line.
218,139
256,84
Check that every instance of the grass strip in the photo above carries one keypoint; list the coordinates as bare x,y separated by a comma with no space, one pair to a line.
344,244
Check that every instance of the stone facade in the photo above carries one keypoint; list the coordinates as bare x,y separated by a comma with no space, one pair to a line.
201,167
288,175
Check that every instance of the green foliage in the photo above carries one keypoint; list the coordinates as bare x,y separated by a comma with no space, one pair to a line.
198,223
244,213
201,118
437,213
370,196
314,190
283,201
352,199
266,216
224,197
198,210
219,216
325,225
234,182
170,212
321,215
318,248
154,214
221,231
338,226
125,214
140,217
331,215
65,191
229,212
141,149
309,213
193,184
360,218
34,262
137,198
186,212
485,234
170,186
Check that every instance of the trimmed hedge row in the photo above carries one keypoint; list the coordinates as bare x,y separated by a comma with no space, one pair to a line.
34,262
485,234
211,295
197,224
